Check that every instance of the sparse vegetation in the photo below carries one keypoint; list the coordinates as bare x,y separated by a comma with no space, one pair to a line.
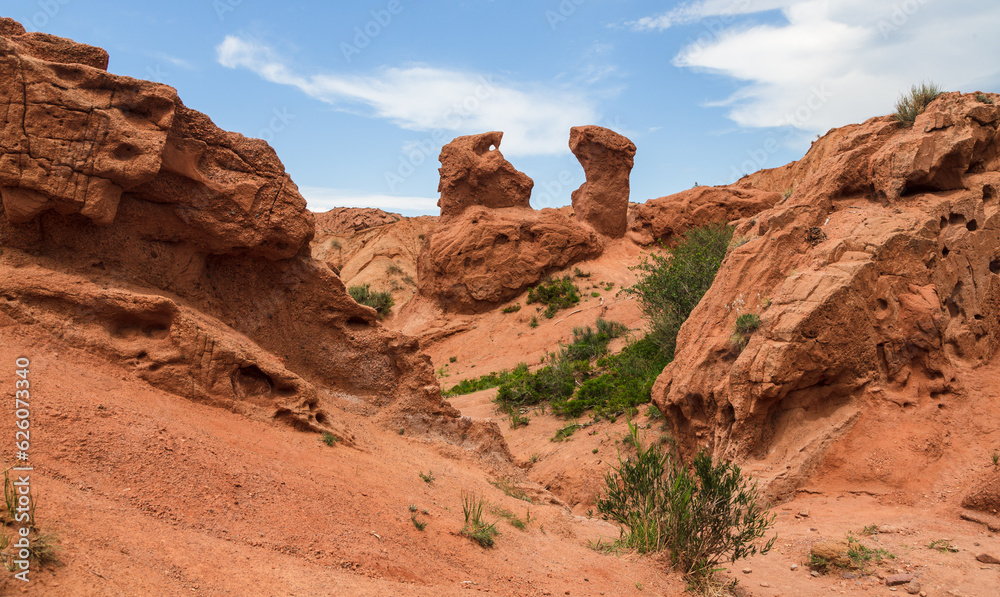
475,527
421,525
565,433
995,457
577,272
555,295
328,438
982,97
746,325
870,530
393,270
912,104
788,193
428,478
515,521
942,545
42,549
862,555
533,323
452,359
700,517
509,487
511,308
382,302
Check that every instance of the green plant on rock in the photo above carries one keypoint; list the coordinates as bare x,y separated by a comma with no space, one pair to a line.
382,302
983,98
912,104
700,516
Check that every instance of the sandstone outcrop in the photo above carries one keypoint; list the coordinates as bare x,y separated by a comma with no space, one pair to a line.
879,276
607,159
474,172
486,257
667,218
136,229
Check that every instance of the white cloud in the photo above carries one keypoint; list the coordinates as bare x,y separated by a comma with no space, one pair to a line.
833,62
320,199
535,118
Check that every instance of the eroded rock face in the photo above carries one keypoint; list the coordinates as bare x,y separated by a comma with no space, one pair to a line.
667,218
607,159
474,172
485,257
137,230
879,275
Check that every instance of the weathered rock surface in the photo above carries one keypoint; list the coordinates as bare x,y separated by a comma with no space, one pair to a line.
373,247
607,159
667,218
136,229
474,172
347,220
881,273
488,256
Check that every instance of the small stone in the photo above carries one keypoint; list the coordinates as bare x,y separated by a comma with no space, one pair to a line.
747,570
813,529
987,559
804,514
850,575
898,579
793,567
913,588
765,585
815,574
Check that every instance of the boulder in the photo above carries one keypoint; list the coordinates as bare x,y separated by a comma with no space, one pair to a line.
474,172
607,158
484,257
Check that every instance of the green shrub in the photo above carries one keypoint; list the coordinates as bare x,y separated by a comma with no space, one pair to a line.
982,97
700,517
511,308
670,286
555,295
913,104
533,323
475,527
382,302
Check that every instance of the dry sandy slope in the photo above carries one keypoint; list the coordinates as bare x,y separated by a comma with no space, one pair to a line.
152,494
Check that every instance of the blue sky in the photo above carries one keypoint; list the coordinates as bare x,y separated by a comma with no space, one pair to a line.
358,97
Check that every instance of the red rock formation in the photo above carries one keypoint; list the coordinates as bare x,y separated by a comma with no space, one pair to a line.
136,229
347,220
879,276
485,257
474,172
669,217
607,158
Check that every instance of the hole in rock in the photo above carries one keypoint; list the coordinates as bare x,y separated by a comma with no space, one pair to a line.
972,225
995,266
978,317
251,381
945,251
883,304
941,405
944,221
321,418
953,309
357,322
955,219
989,193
